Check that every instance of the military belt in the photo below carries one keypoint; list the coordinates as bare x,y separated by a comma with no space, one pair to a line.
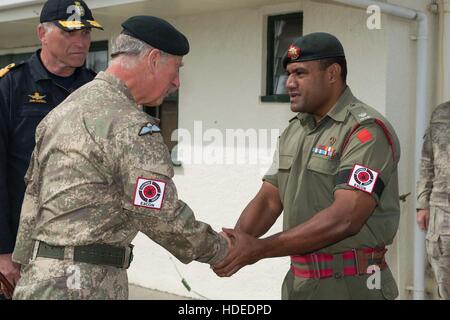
354,262
100,254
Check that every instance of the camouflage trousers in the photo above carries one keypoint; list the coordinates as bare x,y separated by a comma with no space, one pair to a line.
51,279
438,248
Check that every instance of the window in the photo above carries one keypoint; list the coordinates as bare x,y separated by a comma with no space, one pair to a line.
97,59
282,30
168,114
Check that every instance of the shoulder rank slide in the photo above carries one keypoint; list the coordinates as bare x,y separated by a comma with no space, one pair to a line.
149,128
6,69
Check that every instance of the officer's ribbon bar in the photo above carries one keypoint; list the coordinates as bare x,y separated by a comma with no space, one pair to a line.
324,150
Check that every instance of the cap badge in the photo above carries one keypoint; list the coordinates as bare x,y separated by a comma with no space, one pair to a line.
333,140
293,52
79,8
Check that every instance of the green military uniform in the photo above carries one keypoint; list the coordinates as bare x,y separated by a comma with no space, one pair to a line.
316,159
100,173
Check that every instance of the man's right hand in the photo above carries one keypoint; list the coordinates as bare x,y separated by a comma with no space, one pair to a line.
10,270
422,218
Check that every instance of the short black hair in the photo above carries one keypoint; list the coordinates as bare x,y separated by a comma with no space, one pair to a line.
325,63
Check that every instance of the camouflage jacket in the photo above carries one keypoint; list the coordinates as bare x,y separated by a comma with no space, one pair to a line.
433,189
99,174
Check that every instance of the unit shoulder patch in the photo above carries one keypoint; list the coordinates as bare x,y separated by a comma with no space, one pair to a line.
149,193
363,178
364,136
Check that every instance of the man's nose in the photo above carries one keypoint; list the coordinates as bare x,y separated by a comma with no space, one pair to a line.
290,83
81,41
176,82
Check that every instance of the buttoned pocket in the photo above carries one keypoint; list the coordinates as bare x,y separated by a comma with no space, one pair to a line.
444,245
323,165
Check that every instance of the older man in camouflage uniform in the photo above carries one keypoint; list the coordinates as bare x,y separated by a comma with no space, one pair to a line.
433,192
100,173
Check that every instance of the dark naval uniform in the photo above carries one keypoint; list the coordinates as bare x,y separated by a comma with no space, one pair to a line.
28,92
352,147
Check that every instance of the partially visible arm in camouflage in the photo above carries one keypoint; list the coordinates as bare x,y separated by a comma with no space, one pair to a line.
173,226
425,184
24,242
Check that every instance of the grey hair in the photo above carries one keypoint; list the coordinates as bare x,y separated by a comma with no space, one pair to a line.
48,26
132,48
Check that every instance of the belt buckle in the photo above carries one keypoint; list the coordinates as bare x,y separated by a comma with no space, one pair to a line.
35,250
355,253
316,266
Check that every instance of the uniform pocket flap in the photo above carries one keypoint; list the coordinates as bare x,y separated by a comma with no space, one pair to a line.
323,165
285,162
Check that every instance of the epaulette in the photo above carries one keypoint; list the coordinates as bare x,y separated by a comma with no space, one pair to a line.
8,68
364,115
361,113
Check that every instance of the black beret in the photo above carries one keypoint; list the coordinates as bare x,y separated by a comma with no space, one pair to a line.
157,33
313,46
69,15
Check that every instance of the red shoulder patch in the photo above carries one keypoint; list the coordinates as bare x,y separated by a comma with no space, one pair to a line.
364,136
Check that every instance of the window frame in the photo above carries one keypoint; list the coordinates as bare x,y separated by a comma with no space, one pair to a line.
271,20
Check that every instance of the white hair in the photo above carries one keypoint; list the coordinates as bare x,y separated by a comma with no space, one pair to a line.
48,26
128,50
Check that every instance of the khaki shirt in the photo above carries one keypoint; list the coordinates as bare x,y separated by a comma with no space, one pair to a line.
94,178
433,189
311,156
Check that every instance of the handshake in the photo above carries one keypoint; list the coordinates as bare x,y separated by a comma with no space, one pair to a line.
243,250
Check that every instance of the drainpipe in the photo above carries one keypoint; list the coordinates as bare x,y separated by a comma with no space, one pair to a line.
421,118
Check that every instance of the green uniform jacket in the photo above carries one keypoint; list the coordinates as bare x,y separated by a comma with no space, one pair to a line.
315,160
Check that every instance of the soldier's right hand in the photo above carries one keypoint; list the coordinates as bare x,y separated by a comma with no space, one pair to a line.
223,234
10,270
422,218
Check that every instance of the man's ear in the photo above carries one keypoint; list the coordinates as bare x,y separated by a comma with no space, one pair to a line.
334,72
153,59
40,31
